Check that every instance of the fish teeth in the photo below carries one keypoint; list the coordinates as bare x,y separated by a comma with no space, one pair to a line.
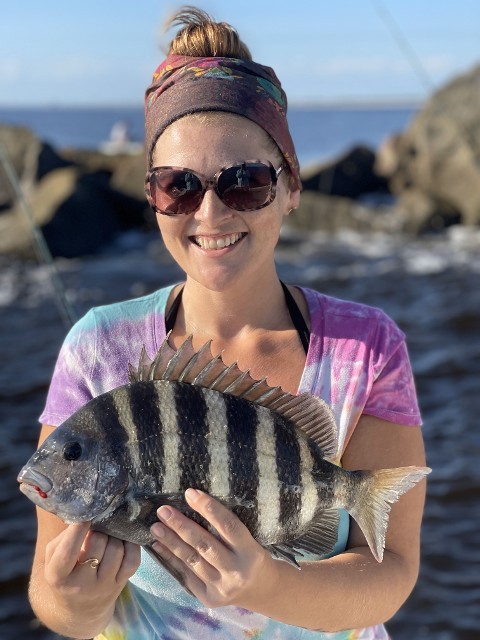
217,243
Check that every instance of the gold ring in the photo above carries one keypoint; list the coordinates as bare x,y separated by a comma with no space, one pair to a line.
94,562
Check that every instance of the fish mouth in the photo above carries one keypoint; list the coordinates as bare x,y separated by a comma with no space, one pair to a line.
29,478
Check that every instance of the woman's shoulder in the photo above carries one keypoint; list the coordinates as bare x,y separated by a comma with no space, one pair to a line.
332,315
322,303
133,308
122,326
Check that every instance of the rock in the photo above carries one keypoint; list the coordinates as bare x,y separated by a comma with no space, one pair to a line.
423,213
77,212
350,176
30,158
90,217
16,145
79,199
319,212
48,160
437,159
129,177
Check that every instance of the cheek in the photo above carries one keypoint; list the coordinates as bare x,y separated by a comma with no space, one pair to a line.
174,239
271,221
169,230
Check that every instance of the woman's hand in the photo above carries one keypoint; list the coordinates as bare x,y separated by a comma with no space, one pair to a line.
74,599
229,569
88,587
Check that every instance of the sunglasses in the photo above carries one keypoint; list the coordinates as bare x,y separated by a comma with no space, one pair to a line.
246,186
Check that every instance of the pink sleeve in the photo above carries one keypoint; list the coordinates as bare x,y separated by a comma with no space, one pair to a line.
70,386
392,396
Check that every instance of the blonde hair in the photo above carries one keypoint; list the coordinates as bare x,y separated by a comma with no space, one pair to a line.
201,36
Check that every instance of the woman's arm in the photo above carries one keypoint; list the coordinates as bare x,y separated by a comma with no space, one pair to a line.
70,598
350,590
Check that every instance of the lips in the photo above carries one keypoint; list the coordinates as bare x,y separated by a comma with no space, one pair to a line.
210,243
30,479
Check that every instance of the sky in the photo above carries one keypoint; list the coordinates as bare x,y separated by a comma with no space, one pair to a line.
103,52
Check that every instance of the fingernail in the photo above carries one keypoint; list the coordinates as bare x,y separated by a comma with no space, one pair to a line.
192,494
157,530
164,513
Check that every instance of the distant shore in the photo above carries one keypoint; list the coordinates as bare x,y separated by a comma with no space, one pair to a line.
324,103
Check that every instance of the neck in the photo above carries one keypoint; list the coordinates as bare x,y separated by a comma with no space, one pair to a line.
244,309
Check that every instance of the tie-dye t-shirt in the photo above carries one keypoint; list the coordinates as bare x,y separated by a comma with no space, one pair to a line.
357,362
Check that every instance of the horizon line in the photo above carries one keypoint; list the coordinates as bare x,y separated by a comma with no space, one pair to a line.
301,103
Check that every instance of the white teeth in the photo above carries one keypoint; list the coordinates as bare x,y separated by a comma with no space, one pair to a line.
217,243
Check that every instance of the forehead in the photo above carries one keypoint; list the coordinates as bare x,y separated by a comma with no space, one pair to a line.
223,136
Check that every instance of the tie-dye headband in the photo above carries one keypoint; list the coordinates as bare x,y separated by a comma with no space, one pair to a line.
184,84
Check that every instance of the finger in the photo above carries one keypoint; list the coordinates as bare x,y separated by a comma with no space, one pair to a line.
93,547
62,553
109,551
130,563
120,560
230,528
188,541
191,582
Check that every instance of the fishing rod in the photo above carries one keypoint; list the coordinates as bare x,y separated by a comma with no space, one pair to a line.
415,62
67,313
403,44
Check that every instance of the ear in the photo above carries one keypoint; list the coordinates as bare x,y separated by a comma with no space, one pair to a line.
293,200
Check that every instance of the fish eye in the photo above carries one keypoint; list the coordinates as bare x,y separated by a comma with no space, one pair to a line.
72,451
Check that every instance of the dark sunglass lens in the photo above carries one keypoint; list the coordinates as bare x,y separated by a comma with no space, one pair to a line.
246,187
175,191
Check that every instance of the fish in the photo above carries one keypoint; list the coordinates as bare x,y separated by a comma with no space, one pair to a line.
186,419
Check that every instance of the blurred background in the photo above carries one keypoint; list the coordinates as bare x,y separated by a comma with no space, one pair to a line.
383,109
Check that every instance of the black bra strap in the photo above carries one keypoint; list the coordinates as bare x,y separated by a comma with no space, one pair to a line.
171,316
297,318
295,314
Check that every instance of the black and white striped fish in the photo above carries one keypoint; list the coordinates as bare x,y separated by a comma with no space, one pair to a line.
187,420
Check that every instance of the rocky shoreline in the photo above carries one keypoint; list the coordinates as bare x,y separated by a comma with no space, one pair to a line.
422,180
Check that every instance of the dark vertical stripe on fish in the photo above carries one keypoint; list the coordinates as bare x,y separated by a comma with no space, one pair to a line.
148,430
242,425
194,456
322,473
289,474
104,416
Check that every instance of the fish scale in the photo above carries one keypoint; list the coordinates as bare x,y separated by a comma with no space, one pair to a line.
141,421
242,459
186,419
192,427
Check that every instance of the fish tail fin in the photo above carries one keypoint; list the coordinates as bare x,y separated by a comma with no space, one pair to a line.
381,489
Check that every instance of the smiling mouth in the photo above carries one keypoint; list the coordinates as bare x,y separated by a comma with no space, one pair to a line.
214,244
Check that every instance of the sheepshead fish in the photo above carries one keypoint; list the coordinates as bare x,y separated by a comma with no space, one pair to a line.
188,420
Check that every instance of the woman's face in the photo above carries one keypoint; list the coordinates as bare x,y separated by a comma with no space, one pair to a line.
216,245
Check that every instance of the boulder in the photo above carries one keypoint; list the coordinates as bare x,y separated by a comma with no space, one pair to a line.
79,199
351,175
15,145
434,166
320,212
90,216
129,176
30,158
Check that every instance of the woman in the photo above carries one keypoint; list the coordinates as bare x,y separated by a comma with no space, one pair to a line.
217,119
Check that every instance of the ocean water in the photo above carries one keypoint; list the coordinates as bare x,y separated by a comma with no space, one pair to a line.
428,285
318,132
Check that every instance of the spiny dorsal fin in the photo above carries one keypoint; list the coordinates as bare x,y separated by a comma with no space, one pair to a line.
201,368
144,365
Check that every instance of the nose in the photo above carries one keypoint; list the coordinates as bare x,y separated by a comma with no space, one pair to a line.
212,209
